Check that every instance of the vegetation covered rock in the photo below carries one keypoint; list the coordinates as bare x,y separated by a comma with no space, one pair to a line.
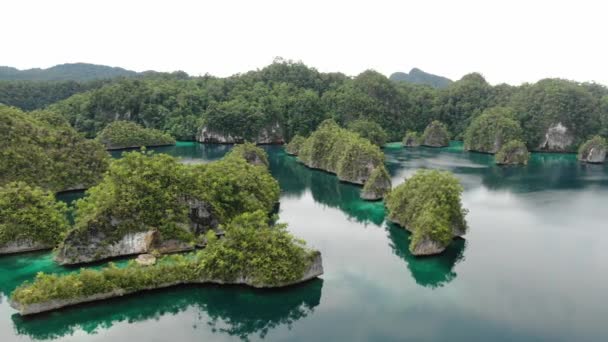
428,205
294,145
412,139
30,218
41,149
378,184
593,150
512,153
149,201
493,128
126,134
436,135
369,130
251,253
251,153
340,151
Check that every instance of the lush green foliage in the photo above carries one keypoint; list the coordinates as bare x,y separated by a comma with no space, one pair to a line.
341,151
30,214
512,153
250,250
123,134
429,205
554,101
250,152
295,145
369,130
41,149
144,191
489,131
30,95
436,134
234,186
596,142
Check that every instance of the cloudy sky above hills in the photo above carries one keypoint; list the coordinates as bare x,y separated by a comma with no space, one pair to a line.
507,41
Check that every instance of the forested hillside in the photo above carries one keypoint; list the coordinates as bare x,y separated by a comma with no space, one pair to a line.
65,72
287,98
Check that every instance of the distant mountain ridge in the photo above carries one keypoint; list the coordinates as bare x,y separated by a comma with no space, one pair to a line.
65,72
418,76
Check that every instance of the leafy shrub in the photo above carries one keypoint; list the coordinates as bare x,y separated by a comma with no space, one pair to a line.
123,134
429,205
412,139
30,213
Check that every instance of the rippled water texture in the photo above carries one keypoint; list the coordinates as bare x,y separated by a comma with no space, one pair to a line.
531,268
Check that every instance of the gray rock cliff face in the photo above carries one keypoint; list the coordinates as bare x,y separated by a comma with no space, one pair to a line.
427,246
558,138
269,135
314,270
21,246
593,155
95,244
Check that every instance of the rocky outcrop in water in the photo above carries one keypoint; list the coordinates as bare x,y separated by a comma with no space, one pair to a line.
378,184
314,270
512,153
411,139
436,135
593,151
270,135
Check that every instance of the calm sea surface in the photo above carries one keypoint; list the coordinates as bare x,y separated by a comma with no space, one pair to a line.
533,267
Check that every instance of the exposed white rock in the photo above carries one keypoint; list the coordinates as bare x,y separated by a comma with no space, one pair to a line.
20,246
557,139
269,135
146,259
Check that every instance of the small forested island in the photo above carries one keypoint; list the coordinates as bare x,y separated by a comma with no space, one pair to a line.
435,135
352,158
126,134
412,139
428,205
512,153
250,253
493,128
593,150
152,202
30,218
41,149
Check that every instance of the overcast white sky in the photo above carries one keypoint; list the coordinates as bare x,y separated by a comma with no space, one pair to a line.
507,41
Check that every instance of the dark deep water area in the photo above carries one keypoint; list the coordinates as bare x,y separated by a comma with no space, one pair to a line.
533,266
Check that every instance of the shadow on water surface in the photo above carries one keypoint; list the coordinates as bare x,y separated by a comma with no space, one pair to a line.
429,271
295,179
233,310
